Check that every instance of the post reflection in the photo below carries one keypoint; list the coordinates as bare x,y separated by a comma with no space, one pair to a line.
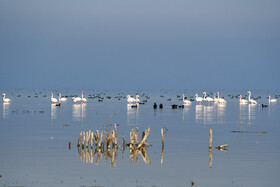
132,114
79,111
6,107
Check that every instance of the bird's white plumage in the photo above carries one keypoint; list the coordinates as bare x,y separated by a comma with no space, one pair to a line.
243,101
251,100
6,100
185,101
54,100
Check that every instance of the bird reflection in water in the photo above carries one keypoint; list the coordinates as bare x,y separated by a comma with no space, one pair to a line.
210,114
6,107
247,113
132,114
53,111
79,111
186,110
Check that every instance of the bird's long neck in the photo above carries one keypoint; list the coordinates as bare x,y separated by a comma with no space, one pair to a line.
4,96
249,95
52,95
183,97
82,95
204,96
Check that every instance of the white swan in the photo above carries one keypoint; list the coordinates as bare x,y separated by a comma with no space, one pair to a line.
130,99
83,98
198,99
271,100
251,100
62,98
6,100
221,100
242,101
187,102
76,99
209,99
54,100
137,99
216,100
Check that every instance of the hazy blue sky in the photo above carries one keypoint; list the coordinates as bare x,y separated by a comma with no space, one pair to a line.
140,44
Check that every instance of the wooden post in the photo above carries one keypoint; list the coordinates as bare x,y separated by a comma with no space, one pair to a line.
100,140
79,140
108,139
162,137
210,138
84,139
70,145
88,137
91,142
144,137
115,137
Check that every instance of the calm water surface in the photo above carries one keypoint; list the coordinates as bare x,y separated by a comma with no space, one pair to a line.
35,135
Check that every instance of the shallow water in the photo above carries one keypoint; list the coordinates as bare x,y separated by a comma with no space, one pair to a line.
35,135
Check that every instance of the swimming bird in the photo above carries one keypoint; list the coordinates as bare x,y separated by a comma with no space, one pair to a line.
185,101
209,99
264,106
76,99
198,99
62,98
242,101
54,100
6,100
83,98
216,100
221,100
137,99
155,106
130,99
271,100
251,100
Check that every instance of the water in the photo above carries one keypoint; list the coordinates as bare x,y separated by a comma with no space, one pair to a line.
35,135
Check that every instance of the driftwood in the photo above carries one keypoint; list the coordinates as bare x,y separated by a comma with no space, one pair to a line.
79,140
91,141
103,148
162,141
210,138
248,132
84,138
222,147
88,137
144,137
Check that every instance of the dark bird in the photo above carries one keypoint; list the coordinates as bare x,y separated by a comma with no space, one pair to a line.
160,105
174,106
264,105
155,106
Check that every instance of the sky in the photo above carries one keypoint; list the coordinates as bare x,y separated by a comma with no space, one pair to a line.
140,44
